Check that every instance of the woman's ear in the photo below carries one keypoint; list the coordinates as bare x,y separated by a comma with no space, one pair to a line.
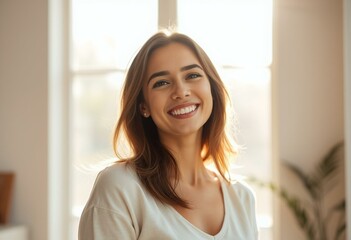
144,110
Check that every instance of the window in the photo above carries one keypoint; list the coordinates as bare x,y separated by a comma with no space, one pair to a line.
106,34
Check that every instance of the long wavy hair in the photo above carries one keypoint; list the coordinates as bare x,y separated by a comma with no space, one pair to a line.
153,162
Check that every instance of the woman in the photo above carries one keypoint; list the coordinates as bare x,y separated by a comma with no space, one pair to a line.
173,117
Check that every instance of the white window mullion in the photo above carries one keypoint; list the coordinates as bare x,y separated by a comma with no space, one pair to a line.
58,153
167,14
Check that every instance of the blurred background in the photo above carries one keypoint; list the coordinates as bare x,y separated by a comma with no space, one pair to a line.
62,65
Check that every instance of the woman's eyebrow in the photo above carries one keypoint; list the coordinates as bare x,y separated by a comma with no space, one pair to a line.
190,67
158,74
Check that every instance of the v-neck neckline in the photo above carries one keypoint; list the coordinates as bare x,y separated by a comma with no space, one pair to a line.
224,226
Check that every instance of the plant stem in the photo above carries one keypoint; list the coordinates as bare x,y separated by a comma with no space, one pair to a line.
319,218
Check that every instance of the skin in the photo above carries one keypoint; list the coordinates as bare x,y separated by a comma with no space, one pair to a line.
178,98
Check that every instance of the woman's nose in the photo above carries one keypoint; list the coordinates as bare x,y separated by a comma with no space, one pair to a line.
181,90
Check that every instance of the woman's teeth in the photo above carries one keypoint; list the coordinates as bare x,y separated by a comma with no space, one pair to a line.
185,110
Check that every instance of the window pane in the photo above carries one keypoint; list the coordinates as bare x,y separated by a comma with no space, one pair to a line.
107,32
233,32
250,94
249,90
94,113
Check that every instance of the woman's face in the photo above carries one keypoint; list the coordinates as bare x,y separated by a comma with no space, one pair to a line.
177,91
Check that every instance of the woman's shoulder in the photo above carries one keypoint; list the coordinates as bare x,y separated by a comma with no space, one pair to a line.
118,170
114,185
118,174
241,189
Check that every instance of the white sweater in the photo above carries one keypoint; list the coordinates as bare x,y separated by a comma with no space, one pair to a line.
120,207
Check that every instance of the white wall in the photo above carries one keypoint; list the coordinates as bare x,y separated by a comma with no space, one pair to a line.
23,109
309,78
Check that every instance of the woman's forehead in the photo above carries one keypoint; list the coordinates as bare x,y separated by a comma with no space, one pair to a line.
171,55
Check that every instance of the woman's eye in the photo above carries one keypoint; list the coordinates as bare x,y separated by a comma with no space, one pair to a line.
159,84
193,76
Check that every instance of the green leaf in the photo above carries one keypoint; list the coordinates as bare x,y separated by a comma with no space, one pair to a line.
327,168
305,179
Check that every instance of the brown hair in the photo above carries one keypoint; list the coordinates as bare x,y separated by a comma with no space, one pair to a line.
154,164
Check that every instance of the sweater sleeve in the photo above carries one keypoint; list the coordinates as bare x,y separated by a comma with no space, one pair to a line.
99,223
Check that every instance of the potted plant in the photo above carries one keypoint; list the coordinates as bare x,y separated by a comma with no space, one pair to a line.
311,214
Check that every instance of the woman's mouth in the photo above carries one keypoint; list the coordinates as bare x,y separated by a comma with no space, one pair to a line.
182,111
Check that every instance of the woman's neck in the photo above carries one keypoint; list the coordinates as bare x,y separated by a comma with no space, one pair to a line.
187,153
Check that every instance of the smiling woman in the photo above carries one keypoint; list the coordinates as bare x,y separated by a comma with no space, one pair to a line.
173,114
